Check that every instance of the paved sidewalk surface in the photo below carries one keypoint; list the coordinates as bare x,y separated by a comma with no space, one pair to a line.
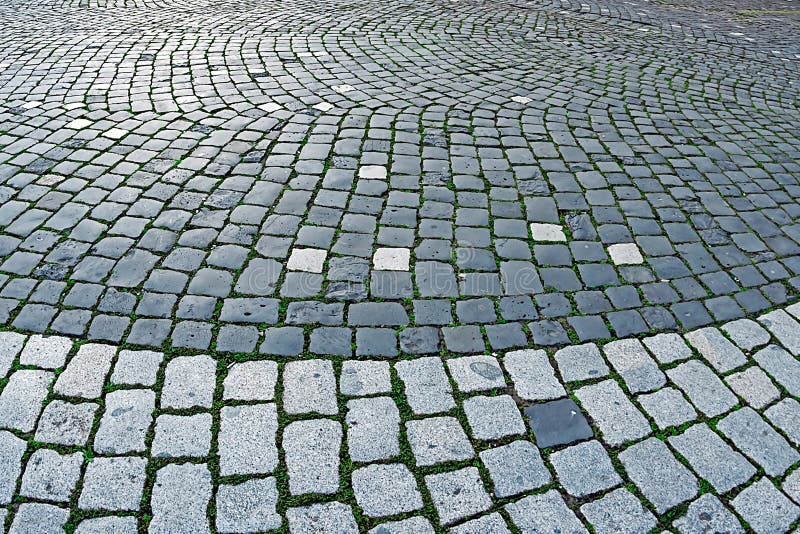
399,267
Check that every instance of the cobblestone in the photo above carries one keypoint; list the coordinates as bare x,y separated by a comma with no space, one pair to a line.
383,267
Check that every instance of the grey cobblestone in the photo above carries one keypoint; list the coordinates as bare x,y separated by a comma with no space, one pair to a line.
515,468
753,436
309,386
712,458
22,397
247,439
189,382
765,508
703,387
383,490
708,514
127,417
532,375
50,476
352,222
617,417
113,483
248,507
620,511
544,512
427,388
312,456
373,427
436,440
457,494
180,496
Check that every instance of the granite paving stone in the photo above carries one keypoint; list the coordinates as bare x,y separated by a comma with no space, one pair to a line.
712,458
386,489
617,417
657,473
348,269
765,508
758,440
584,469
515,468
457,494
708,514
618,511
544,512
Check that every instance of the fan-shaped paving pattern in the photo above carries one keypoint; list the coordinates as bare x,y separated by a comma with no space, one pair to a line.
340,182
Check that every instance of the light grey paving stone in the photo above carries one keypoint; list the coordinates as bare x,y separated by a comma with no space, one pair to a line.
38,518
180,499
50,476
11,450
759,441
10,346
781,366
47,352
712,458
754,386
615,415
667,407
436,440
584,469
22,398
707,514
412,525
373,429
312,456
785,328
493,523
663,480
86,372
113,483
309,386
248,507
137,367
791,486
765,508
746,333
427,388
619,511
544,513
329,517
492,418
251,381
580,362
364,378
3,516
64,423
716,349
109,524
630,359
515,468
247,439
385,489
124,425
179,436
476,373
457,494
532,375
703,387
189,382
668,347
785,415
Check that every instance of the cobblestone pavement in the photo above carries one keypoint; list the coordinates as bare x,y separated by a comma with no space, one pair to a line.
399,267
